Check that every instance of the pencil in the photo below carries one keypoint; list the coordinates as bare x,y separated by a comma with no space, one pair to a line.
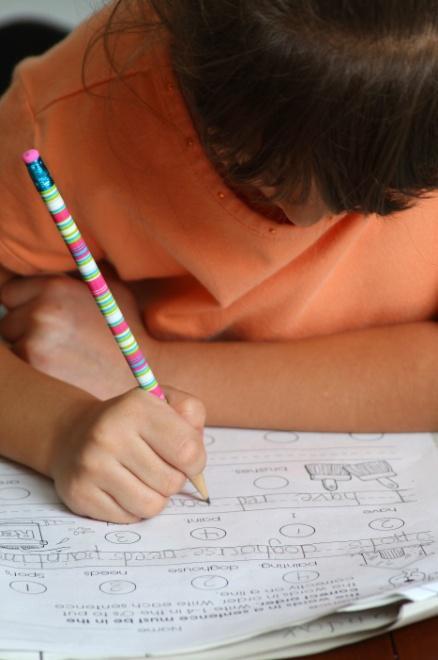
97,285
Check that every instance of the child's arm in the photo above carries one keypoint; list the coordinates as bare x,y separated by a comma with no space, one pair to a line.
116,460
380,379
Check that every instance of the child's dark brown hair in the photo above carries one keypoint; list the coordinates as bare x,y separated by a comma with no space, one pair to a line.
339,94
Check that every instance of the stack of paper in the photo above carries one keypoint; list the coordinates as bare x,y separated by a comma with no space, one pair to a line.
311,541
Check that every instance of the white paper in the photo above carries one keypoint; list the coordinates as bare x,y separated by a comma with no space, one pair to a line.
293,642
332,626
300,526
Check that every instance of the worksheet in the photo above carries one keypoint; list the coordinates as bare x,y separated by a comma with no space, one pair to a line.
300,525
291,638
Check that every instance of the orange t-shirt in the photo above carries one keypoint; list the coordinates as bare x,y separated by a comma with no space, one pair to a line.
127,160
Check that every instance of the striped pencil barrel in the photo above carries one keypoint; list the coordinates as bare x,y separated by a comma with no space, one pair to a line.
90,273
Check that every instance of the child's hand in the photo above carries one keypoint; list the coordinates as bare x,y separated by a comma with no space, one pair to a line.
126,456
54,324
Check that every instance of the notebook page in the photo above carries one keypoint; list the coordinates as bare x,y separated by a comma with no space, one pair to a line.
299,526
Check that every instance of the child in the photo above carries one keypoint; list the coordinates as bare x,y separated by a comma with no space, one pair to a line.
259,177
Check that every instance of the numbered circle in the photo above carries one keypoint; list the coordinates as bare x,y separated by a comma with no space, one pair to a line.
281,437
14,493
209,582
27,587
208,533
297,530
122,537
383,524
297,577
271,482
115,587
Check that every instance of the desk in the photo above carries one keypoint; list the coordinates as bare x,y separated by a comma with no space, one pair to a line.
416,642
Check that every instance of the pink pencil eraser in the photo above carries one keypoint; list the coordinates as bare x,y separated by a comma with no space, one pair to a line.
31,155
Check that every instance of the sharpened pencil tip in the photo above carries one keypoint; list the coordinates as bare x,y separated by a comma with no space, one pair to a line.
199,484
207,499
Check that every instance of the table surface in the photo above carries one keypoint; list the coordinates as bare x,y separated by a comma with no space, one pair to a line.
415,642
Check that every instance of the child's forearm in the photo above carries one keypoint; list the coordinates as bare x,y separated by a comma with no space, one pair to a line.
34,411
382,379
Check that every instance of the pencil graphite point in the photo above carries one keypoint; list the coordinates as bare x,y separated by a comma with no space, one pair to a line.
201,487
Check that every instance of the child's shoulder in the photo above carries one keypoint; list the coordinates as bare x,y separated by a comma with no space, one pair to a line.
79,64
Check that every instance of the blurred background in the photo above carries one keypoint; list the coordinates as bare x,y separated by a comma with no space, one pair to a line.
29,27
65,13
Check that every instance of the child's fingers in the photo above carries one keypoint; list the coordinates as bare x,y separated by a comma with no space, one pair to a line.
16,323
166,432
21,290
33,335
101,505
132,494
185,451
186,405
150,469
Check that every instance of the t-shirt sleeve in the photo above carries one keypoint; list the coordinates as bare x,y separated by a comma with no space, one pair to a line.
29,240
